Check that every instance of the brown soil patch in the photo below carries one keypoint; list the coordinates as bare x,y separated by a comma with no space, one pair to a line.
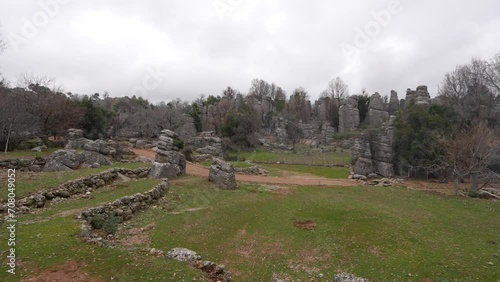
69,271
136,236
306,225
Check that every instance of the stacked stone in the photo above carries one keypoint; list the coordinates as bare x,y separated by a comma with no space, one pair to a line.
169,163
206,148
376,115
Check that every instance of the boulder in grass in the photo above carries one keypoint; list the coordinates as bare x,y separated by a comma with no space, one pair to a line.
222,174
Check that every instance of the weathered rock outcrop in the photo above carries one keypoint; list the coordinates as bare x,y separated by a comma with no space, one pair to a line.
64,160
376,115
373,153
169,163
188,129
348,117
75,140
420,96
206,147
393,103
222,174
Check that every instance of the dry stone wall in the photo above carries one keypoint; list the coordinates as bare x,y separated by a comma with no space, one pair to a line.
125,207
79,186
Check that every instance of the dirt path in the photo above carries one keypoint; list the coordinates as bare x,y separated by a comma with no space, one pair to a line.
306,180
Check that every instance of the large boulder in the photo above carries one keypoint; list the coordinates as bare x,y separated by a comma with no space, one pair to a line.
222,174
164,170
100,146
93,158
63,160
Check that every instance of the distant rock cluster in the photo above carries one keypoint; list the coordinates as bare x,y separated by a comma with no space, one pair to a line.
206,146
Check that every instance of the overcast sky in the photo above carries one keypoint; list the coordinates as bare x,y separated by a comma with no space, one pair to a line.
181,49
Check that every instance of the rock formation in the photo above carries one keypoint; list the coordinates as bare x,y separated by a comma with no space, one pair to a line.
393,103
205,147
169,163
222,174
373,153
349,115
75,140
188,129
376,115
420,97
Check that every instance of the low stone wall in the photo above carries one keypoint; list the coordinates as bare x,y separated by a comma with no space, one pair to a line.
34,165
125,207
74,187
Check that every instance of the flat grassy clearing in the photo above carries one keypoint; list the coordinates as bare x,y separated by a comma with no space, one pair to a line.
26,154
384,234
280,170
29,182
302,157
327,172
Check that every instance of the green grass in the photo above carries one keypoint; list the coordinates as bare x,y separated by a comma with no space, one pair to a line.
327,172
304,157
28,182
383,234
26,154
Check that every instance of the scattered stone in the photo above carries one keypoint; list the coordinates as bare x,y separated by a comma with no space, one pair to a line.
39,149
182,254
359,177
347,277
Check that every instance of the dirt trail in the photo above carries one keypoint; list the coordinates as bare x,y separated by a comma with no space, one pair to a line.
306,180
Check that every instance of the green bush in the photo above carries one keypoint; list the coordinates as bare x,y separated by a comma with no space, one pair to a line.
97,222
111,224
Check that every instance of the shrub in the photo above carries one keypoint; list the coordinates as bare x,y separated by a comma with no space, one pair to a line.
97,221
110,225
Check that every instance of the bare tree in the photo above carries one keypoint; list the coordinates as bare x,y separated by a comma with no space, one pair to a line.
469,152
466,90
492,73
338,89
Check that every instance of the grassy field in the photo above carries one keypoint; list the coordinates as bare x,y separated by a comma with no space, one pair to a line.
384,234
279,170
302,157
26,154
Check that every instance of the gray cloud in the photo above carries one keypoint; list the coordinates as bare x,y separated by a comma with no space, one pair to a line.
93,46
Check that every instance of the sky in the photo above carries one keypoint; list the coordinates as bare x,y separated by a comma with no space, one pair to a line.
163,50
